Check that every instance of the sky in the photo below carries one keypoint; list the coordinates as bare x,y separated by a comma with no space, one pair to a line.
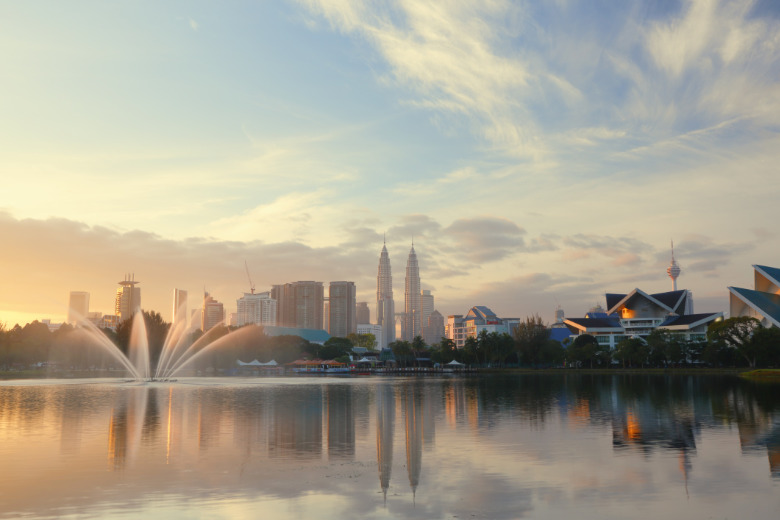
537,153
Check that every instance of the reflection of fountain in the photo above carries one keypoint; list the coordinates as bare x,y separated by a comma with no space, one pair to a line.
177,351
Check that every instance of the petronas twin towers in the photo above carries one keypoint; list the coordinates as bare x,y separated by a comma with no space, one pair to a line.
385,307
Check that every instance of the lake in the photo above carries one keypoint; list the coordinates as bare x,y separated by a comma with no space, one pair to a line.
488,446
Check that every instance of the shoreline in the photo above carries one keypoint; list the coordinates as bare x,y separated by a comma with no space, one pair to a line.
767,375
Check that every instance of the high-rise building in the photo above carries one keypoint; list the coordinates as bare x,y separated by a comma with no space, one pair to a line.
363,314
341,300
78,306
179,306
426,303
285,304
433,330
213,312
412,303
128,298
259,309
299,304
385,307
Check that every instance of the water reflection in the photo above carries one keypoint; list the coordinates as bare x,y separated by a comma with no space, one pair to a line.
499,445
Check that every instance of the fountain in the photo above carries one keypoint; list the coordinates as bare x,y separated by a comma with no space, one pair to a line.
176,353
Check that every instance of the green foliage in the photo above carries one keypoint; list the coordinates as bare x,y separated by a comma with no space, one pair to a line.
737,333
367,340
632,351
335,347
530,338
585,350
402,350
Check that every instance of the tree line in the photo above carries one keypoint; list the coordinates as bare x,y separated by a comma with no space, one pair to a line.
734,342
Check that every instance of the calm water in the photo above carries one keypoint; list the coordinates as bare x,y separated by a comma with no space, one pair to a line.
483,447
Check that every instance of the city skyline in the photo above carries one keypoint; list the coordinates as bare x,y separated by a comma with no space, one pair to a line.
541,154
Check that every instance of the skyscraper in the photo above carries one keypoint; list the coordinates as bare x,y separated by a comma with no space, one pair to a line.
213,313
341,297
179,306
426,303
299,304
78,306
363,313
412,303
128,298
385,308
259,309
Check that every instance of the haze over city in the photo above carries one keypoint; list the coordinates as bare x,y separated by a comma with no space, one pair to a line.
538,153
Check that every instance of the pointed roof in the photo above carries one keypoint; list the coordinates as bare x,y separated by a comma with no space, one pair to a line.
766,304
689,321
642,294
770,273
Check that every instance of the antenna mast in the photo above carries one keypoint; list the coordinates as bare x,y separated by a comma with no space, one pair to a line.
251,283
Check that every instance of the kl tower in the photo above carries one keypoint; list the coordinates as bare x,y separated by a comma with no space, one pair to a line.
673,270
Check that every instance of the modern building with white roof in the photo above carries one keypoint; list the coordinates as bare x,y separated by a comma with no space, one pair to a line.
638,313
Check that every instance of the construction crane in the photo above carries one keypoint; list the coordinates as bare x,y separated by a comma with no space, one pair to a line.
251,283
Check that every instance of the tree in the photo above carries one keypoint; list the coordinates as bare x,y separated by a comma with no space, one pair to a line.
402,350
583,350
665,347
445,351
633,351
766,345
737,334
530,337
367,340
334,348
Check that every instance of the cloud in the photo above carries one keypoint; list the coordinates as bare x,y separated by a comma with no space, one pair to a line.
486,239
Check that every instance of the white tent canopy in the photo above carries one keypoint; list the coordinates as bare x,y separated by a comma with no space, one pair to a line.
454,363
256,363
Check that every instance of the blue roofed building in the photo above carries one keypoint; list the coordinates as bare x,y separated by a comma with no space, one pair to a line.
763,301
637,314
478,318
310,335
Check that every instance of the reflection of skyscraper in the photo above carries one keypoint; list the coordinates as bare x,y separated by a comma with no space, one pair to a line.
385,308
412,304
297,422
78,306
414,433
128,298
340,418
385,425
179,306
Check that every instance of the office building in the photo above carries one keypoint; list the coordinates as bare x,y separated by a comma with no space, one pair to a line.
128,298
213,313
342,309
259,309
385,307
179,306
299,304
363,314
78,306
412,304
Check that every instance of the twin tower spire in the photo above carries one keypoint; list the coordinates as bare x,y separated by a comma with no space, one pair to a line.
411,319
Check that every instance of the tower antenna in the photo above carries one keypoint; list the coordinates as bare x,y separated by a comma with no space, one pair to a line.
674,269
